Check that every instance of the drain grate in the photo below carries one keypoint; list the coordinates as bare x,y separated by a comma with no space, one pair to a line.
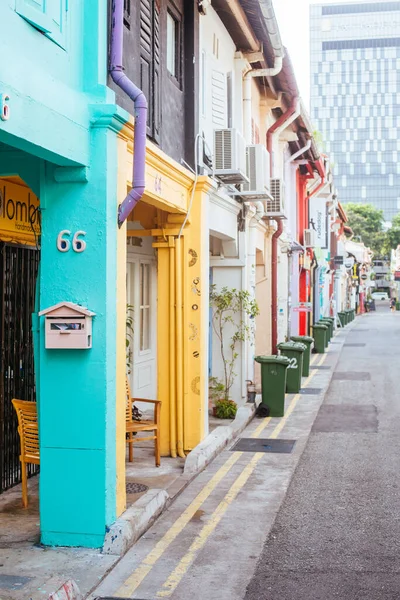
351,376
354,345
136,488
13,582
322,367
264,445
346,418
311,391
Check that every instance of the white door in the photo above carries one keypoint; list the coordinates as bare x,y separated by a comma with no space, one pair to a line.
142,307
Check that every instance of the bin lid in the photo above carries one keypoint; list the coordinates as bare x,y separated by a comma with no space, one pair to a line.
327,319
282,360
302,338
297,346
319,326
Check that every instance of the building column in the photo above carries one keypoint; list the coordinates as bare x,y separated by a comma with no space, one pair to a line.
78,388
182,326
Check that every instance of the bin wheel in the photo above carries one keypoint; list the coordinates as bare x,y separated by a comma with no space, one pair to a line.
263,411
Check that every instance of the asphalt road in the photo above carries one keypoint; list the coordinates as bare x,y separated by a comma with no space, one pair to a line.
337,534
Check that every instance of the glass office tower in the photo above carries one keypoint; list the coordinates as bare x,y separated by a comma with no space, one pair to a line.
355,98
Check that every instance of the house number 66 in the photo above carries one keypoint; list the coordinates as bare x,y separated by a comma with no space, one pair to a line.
4,107
64,243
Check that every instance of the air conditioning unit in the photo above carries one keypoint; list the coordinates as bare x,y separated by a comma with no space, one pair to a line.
257,171
230,156
275,206
309,238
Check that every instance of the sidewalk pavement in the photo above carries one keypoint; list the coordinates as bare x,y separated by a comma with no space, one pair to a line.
235,498
32,572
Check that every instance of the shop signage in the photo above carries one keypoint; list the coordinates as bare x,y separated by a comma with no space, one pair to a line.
338,260
303,307
319,221
397,276
364,276
19,212
349,262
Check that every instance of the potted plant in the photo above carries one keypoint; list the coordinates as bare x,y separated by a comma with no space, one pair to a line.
233,312
216,391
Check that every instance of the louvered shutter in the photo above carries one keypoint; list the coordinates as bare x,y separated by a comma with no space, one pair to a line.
146,45
219,99
156,73
150,62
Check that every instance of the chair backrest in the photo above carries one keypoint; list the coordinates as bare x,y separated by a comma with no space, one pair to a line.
128,404
27,427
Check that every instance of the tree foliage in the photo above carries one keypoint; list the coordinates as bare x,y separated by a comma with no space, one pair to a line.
393,234
231,311
367,222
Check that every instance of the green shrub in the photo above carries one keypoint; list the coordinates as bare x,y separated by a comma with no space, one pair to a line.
225,409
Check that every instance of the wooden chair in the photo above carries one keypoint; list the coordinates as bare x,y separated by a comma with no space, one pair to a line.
29,440
144,425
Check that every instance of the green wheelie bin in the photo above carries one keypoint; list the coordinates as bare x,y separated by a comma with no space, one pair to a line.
307,341
273,383
294,352
397,305
331,320
328,321
348,315
342,319
319,331
353,314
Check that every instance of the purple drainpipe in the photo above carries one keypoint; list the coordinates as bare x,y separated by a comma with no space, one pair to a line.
139,99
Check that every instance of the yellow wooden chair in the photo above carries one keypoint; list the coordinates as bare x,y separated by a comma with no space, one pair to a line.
144,425
29,440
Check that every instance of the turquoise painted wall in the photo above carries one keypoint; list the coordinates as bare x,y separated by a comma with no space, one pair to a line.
62,115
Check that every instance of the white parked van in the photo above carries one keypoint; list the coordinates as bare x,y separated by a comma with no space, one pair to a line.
379,296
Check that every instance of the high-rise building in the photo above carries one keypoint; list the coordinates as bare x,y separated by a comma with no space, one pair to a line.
355,97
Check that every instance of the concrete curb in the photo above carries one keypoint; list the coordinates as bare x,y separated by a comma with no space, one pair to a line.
134,522
215,442
137,519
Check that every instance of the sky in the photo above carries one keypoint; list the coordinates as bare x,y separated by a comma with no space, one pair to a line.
293,20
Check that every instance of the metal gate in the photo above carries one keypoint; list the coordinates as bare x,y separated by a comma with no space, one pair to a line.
18,272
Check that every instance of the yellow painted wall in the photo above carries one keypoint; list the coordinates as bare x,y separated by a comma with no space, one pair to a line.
181,356
121,333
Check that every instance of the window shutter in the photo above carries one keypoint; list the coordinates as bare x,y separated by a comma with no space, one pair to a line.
150,56
156,74
34,11
146,37
219,95
57,13
48,16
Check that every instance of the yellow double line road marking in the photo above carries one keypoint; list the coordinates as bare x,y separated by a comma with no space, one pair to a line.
199,542
136,578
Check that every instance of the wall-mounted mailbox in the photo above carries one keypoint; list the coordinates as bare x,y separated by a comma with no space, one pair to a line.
68,326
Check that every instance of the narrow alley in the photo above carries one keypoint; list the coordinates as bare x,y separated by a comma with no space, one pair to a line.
335,534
